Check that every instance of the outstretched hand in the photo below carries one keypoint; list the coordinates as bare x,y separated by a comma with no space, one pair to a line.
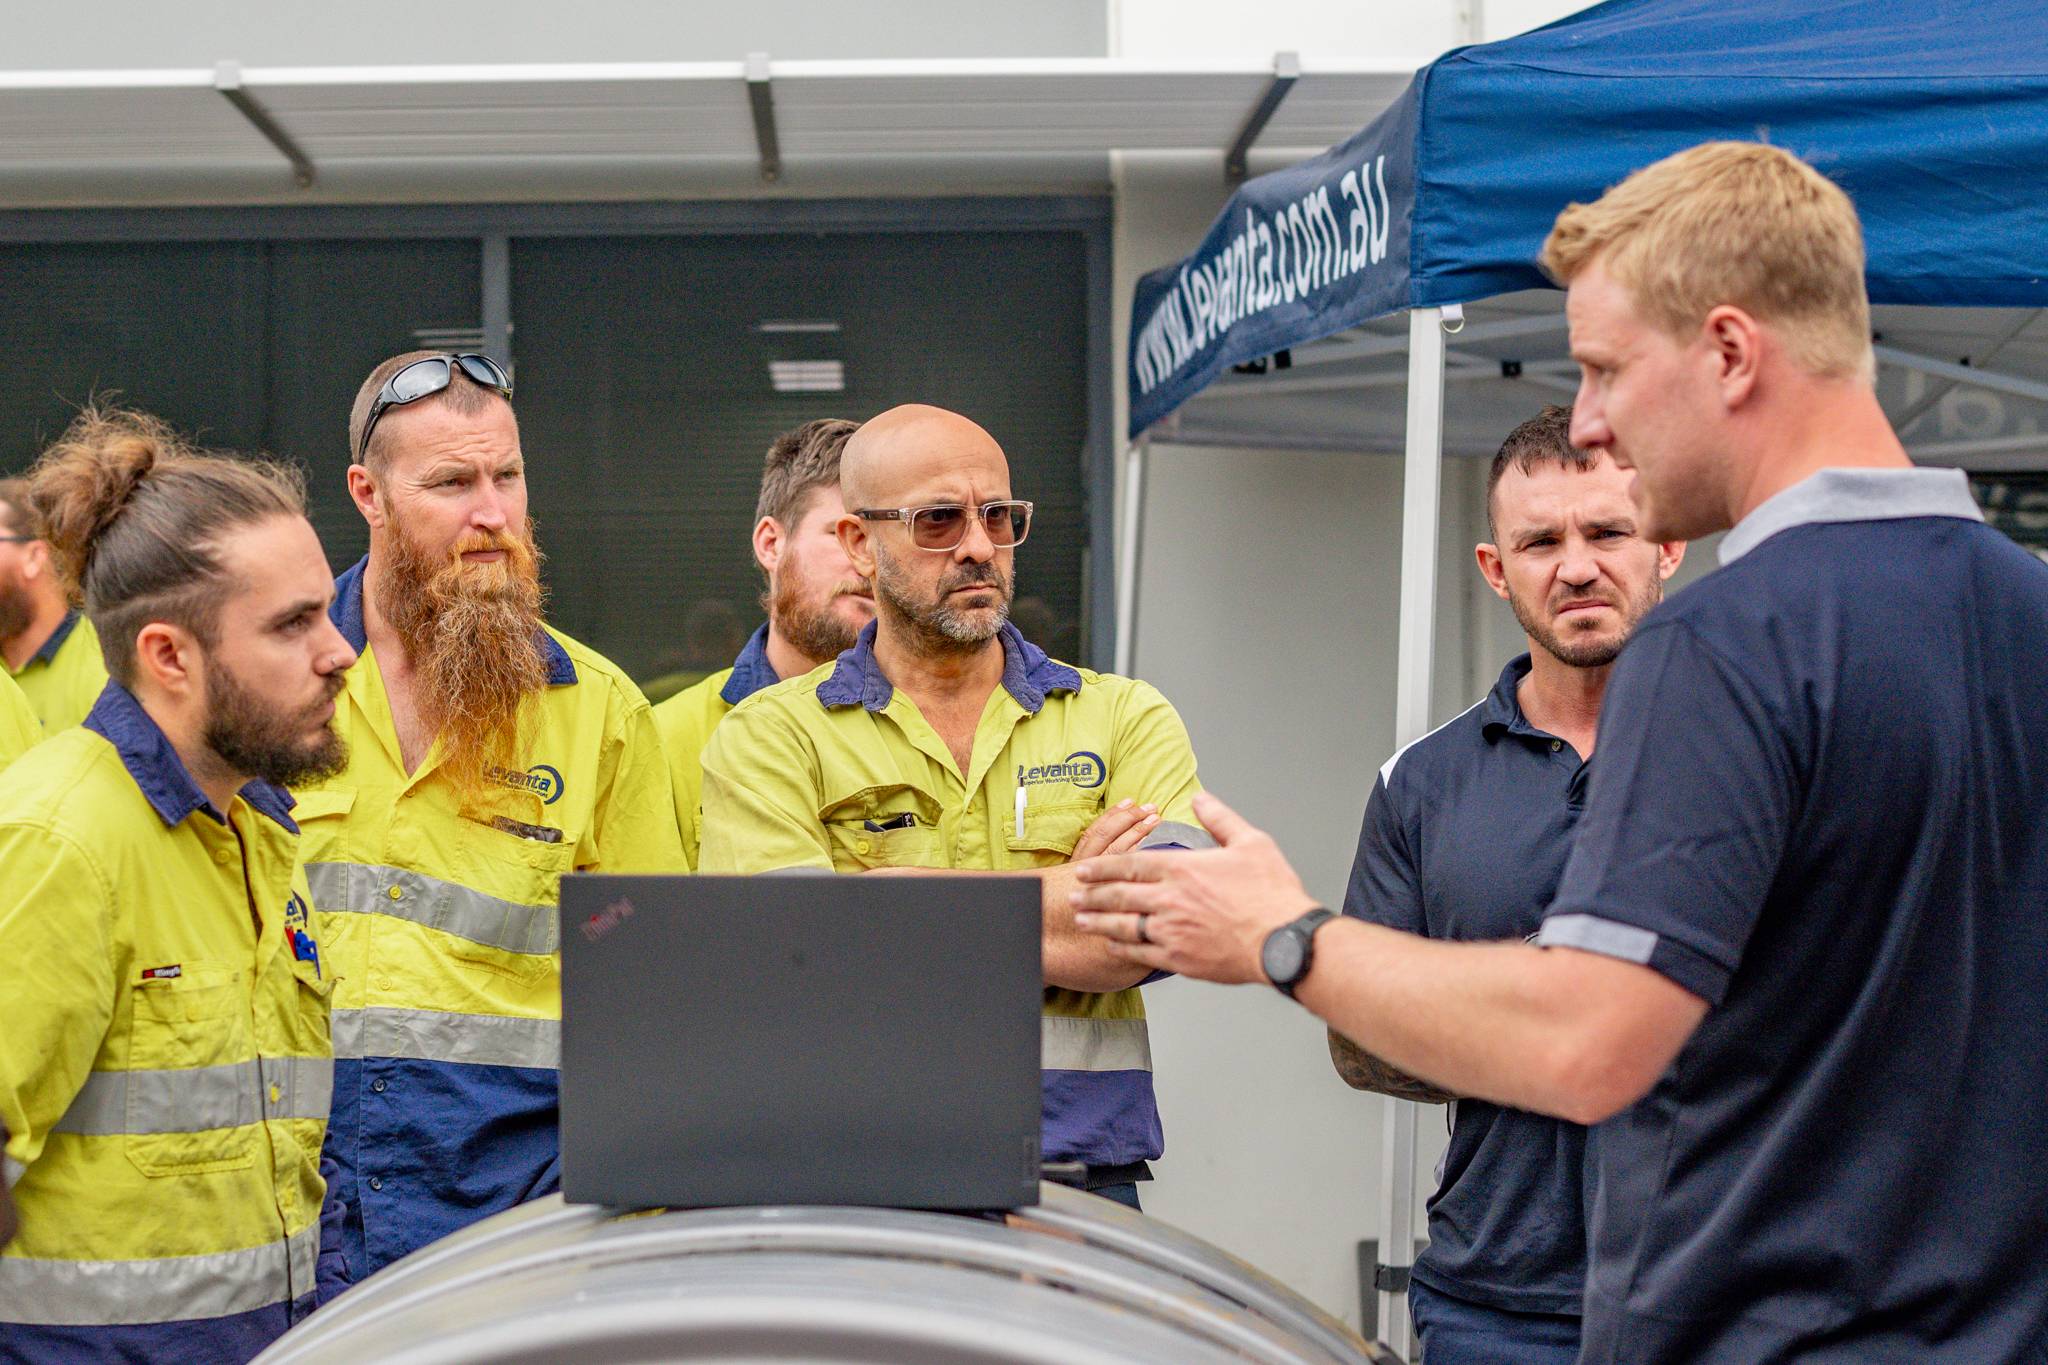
1201,913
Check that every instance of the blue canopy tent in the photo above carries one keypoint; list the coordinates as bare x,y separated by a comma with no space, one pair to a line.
1932,114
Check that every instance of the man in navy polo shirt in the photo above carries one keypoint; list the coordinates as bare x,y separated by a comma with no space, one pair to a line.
1799,957
1465,837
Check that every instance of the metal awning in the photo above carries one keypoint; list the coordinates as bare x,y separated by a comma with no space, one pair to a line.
456,132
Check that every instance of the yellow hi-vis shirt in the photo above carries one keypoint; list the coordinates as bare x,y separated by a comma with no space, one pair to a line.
65,676
20,730
839,770
687,719
439,919
164,1061
684,722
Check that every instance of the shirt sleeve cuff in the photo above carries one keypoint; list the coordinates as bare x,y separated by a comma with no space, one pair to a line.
1173,834
1632,943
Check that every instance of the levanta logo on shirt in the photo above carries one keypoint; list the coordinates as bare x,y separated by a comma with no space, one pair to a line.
542,780
1081,768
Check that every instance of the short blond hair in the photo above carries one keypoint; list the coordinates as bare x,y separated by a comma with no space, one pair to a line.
1738,223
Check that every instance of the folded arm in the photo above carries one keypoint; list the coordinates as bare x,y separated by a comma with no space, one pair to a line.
1074,960
1363,1071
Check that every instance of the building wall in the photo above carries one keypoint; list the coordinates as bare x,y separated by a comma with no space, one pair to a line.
1317,29
144,33
1269,606
138,33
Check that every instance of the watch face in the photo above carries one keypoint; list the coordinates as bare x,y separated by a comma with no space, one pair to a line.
1282,955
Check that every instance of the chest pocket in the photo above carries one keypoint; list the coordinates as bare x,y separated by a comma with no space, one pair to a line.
321,817
196,1023
503,917
313,1015
1050,832
884,826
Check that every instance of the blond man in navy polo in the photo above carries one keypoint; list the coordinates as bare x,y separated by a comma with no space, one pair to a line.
1795,964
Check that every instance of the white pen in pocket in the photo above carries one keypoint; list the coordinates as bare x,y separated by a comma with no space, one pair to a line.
1021,792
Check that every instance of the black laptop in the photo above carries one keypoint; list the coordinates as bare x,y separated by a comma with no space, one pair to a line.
792,1039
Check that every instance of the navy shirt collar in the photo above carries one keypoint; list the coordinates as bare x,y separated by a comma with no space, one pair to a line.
347,615
1853,495
1502,710
163,777
1029,675
48,649
751,671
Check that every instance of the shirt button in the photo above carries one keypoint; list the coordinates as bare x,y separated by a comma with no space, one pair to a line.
378,1085
397,893
276,1093
376,1182
1555,746
222,856
862,846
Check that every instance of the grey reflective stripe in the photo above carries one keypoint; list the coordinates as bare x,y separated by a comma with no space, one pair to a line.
1068,1044
1596,935
54,1293
435,1036
365,889
194,1100
1171,833
12,1171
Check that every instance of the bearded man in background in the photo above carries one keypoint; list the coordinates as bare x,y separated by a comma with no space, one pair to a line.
489,755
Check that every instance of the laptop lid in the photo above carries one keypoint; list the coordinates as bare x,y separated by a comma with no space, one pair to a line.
793,1039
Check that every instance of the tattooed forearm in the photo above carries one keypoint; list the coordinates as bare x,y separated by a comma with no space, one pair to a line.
1363,1071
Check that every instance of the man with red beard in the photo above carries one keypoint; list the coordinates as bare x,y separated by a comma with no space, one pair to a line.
489,755
816,604
944,741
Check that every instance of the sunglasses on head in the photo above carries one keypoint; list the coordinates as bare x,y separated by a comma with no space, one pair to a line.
428,376
942,526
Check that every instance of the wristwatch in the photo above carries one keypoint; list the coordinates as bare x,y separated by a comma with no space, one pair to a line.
1290,950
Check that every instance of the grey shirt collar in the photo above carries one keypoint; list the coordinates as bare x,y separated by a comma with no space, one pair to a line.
1854,495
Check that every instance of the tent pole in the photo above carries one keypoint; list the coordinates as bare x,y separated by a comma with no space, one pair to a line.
1421,482
1129,557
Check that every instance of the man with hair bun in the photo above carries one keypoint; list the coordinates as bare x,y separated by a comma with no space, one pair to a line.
489,754
165,1061
816,604
1794,965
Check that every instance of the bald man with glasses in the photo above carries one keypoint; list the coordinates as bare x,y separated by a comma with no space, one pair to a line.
944,741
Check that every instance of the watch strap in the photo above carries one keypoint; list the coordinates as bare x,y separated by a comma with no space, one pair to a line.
1304,928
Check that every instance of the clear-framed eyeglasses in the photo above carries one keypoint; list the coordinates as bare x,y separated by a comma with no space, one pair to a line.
943,525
